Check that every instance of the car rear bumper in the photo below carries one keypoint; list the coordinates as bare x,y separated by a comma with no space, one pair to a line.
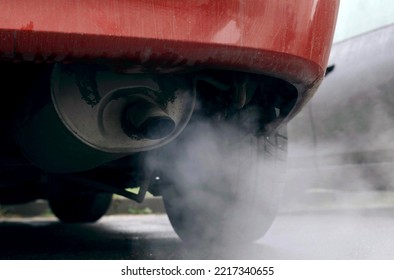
287,39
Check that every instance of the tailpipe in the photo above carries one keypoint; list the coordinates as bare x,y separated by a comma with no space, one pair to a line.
147,120
88,116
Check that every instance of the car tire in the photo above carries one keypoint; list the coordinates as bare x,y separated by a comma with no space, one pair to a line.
71,205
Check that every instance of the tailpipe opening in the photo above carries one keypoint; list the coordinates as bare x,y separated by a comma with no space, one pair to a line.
148,120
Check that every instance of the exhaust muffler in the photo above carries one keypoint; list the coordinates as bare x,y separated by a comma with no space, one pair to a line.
95,116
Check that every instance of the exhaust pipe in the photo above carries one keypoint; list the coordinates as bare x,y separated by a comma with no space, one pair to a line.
94,116
147,119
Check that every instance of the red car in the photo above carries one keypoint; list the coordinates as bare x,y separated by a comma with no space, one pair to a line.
186,99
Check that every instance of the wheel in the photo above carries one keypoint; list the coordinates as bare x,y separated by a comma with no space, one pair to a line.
223,184
76,205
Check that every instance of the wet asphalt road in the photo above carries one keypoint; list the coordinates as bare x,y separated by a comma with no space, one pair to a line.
366,234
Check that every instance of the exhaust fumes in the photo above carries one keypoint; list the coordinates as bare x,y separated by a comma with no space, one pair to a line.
220,182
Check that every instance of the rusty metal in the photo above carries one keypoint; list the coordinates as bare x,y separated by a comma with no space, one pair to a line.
96,120
81,128
147,119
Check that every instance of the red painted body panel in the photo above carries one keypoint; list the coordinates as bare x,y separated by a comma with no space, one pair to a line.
285,38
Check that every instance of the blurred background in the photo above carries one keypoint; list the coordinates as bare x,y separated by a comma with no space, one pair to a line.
341,147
